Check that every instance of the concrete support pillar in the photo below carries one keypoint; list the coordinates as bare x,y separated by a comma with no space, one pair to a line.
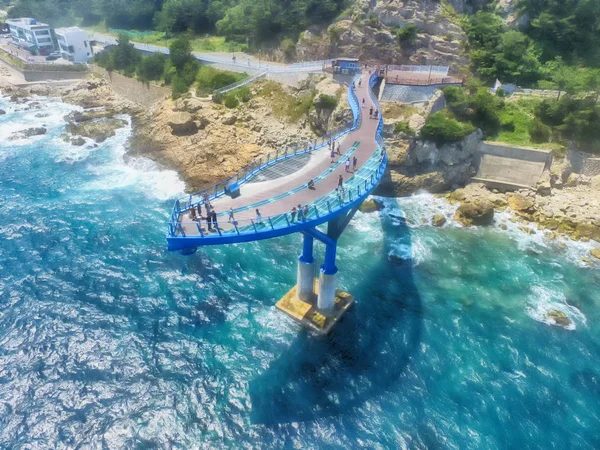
306,271
327,286
327,279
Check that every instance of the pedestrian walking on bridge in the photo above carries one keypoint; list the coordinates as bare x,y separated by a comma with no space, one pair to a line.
348,165
354,163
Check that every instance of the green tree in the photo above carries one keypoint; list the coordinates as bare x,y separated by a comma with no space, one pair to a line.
180,53
152,67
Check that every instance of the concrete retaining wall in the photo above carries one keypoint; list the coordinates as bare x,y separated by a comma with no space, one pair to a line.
45,76
143,94
506,167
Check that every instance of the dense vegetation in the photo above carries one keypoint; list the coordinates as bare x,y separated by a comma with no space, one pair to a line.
180,69
549,122
251,22
563,32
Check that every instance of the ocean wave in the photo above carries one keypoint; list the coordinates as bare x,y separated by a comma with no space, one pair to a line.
544,299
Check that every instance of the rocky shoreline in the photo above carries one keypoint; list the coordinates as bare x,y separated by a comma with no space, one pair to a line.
205,143
572,212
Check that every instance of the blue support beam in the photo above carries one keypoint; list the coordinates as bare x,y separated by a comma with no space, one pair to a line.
329,267
307,249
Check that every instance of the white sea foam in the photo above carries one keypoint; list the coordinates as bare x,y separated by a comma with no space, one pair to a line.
419,209
544,299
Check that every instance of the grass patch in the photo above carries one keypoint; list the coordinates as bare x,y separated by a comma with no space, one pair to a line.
398,111
285,105
209,79
517,118
12,60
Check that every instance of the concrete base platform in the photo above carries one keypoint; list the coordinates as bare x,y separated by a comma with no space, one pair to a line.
308,315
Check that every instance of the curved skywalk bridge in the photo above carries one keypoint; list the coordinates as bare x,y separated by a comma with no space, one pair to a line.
277,183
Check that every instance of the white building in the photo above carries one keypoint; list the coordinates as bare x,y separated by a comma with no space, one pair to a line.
74,44
31,35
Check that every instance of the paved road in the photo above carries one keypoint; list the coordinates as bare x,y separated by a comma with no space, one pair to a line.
242,63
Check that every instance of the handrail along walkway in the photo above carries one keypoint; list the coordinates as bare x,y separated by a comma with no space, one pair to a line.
322,210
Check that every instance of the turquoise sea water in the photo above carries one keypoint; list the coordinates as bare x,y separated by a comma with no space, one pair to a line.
108,341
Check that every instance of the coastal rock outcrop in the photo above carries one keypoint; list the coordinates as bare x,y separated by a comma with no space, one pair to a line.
27,133
415,165
99,130
438,220
207,142
570,211
476,212
182,124
367,31
559,318
371,205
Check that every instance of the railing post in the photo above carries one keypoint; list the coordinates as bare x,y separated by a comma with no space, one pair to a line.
271,223
286,219
236,228
328,206
254,225
199,229
316,211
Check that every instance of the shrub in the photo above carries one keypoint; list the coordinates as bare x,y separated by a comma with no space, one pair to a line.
288,47
243,94
374,22
231,101
217,97
178,87
407,34
152,67
442,129
326,102
209,79
403,127
539,132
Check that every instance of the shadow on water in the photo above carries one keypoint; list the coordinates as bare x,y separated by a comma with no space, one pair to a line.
362,358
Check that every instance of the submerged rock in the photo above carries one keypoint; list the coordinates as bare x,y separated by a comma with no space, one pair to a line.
371,205
438,220
559,317
595,252
29,132
477,212
397,260
2,112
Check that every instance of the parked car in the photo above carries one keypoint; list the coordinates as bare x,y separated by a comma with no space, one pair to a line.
53,56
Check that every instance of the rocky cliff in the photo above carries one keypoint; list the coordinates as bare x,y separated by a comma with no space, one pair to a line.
368,31
207,142
415,165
